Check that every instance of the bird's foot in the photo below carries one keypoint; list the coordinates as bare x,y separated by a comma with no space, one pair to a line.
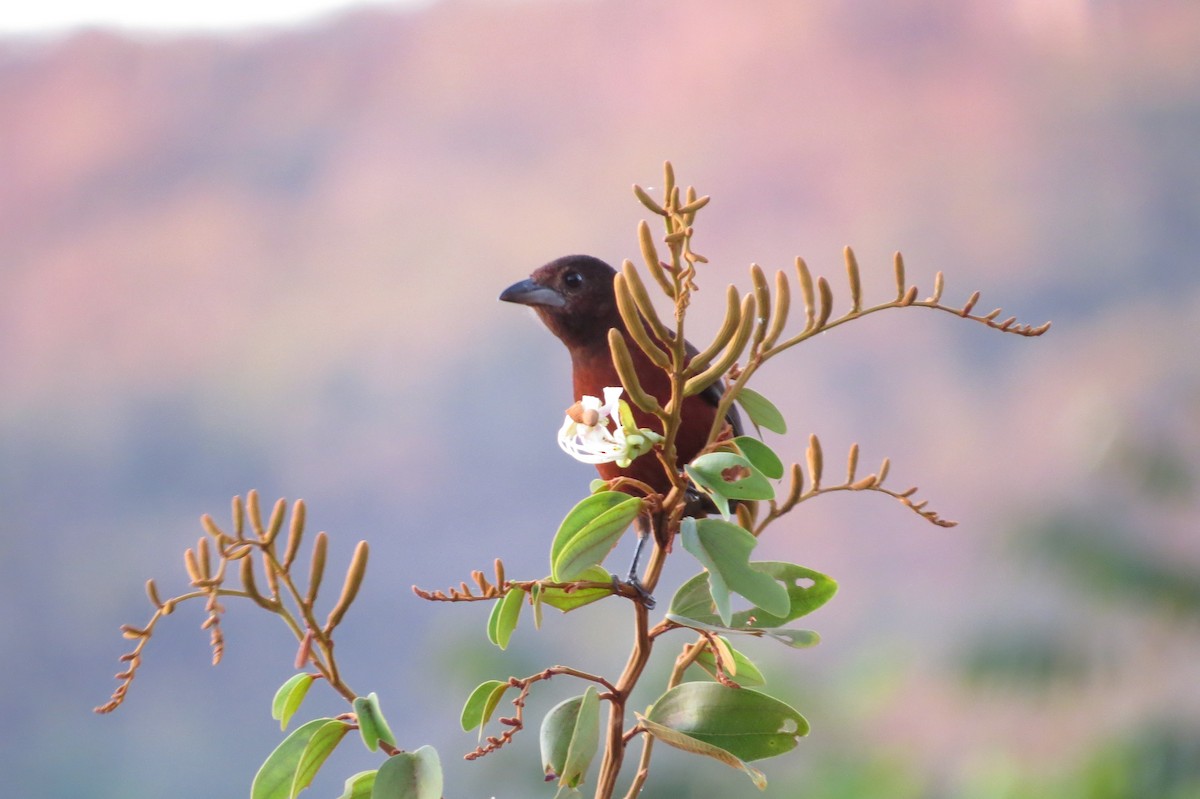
633,582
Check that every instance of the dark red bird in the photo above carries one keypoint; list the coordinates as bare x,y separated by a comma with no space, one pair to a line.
574,297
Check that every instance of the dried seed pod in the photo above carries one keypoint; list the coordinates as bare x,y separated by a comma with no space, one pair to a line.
796,488
152,593
316,570
272,578
939,283
239,518
623,362
806,291
721,365
653,264
966,309
354,578
669,186
694,205
193,567
276,521
909,297
783,298
255,514
237,551
304,651
295,533
480,581
250,587
204,556
826,306
815,461
646,200
901,283
883,470
744,517
852,463
762,302
869,481
641,298
633,323
855,280
499,568
212,529
993,314
733,318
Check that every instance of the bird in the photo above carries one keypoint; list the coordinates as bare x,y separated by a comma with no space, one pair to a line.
574,297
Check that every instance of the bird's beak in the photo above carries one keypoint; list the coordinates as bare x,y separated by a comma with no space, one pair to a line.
529,293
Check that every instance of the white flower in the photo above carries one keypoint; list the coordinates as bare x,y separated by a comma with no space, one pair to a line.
586,437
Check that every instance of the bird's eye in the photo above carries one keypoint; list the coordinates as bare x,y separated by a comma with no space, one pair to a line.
572,280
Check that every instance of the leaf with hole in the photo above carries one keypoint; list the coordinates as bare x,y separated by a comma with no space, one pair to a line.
746,723
727,475
724,550
687,743
807,590
761,456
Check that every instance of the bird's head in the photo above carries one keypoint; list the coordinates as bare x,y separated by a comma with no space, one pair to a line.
574,297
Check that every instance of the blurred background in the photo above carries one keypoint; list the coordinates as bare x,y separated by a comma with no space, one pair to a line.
268,257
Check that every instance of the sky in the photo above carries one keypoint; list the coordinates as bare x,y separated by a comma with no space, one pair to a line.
58,16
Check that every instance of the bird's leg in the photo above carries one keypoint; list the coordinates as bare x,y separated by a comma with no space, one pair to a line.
643,525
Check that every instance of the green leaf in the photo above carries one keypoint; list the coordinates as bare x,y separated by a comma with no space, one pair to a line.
626,415
569,600
747,724
359,786
289,696
535,600
504,616
798,639
570,737
761,411
277,773
320,747
724,550
693,599
807,590
589,532
371,723
481,704
687,743
742,671
410,775
727,475
760,456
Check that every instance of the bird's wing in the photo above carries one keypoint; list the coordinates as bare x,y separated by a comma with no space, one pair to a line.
713,394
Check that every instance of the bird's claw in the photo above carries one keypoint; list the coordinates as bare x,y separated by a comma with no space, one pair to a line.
633,582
